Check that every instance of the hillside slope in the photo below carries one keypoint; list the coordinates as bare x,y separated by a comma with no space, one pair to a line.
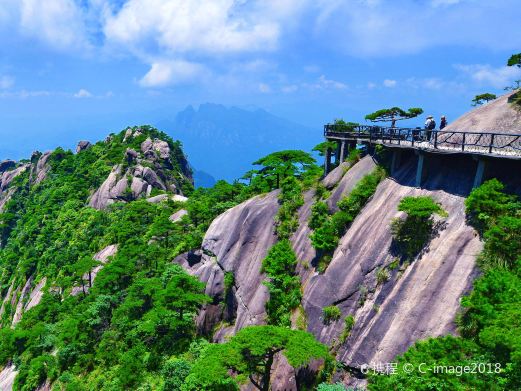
418,300
498,116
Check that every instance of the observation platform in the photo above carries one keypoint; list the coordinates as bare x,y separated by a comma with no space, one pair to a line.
479,145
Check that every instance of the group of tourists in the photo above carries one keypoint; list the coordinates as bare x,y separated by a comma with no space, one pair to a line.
430,123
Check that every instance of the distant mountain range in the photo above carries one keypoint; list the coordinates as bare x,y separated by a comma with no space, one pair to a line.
223,141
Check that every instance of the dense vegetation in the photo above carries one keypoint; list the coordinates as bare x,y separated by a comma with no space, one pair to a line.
132,326
412,233
490,320
250,355
329,228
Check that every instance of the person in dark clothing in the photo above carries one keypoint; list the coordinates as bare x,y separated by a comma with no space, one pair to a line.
430,124
443,122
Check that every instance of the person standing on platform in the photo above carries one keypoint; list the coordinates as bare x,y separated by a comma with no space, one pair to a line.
443,122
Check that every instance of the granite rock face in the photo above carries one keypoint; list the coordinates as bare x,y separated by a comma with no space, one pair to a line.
146,169
7,165
418,301
82,145
6,178
236,242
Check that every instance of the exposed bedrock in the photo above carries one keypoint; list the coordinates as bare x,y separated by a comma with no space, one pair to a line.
236,242
150,167
418,301
421,302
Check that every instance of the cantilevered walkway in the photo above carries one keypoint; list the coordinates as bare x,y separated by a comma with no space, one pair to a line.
478,145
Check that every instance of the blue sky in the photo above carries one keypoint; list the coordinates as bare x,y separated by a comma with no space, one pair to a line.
79,69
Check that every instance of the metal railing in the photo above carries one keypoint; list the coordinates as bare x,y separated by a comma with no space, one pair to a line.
455,141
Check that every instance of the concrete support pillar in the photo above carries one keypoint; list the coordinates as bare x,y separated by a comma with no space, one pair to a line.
419,169
396,160
342,151
327,163
337,153
480,172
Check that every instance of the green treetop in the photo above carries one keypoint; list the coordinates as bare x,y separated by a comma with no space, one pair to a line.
483,98
250,355
514,60
279,165
393,114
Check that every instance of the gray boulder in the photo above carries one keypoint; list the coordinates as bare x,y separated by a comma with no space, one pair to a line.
82,145
236,242
7,165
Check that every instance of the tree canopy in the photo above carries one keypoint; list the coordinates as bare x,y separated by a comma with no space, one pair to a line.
514,60
483,98
279,165
250,355
393,114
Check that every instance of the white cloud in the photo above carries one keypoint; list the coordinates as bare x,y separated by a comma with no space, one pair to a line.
371,85
486,75
6,82
82,93
167,34
264,88
289,89
326,83
438,3
385,28
312,68
389,83
164,73
181,26
59,23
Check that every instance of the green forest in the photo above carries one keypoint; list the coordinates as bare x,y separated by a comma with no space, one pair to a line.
133,325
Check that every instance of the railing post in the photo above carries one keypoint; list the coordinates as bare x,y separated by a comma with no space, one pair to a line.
491,143
463,143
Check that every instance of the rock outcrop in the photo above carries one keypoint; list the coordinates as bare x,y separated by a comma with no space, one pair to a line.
150,167
102,257
236,242
499,116
7,376
6,178
40,166
417,301
421,302
7,165
82,145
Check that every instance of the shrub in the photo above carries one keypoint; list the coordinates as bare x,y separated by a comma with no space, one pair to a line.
354,156
331,387
382,276
331,313
487,203
327,234
319,214
290,201
349,322
283,284
229,280
502,243
325,238
412,234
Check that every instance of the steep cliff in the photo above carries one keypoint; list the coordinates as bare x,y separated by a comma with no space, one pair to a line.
155,165
136,163
415,302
